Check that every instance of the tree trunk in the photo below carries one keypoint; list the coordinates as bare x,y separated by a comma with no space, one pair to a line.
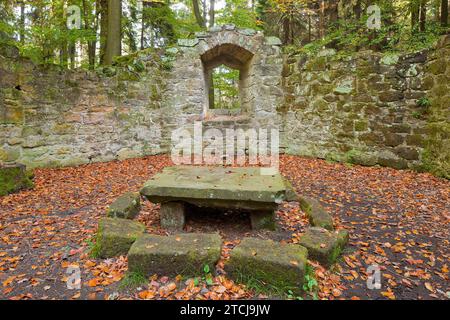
22,22
444,13
414,7
423,15
197,14
357,10
87,13
114,35
211,13
103,29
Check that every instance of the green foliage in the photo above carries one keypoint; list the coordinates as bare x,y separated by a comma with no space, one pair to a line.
226,88
238,13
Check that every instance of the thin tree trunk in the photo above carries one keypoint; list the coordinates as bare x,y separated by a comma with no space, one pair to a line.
211,13
423,15
444,13
114,37
197,14
103,29
22,22
91,44
414,7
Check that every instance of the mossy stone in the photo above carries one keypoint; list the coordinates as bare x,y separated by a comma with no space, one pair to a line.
279,266
323,245
182,254
115,236
13,177
126,206
316,214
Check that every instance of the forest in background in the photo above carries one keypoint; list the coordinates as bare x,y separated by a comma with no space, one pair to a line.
111,28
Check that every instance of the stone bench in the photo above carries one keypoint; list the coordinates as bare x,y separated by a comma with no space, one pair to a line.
186,254
274,265
217,187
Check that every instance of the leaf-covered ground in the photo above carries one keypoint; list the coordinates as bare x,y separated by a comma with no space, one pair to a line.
397,219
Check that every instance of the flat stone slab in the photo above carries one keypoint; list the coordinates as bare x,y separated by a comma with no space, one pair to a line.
243,188
281,266
323,245
316,214
115,236
127,206
184,254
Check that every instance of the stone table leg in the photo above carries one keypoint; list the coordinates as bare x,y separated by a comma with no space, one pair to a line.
263,220
172,215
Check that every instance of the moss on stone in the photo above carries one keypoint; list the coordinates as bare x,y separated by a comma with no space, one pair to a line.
185,254
115,236
323,245
14,178
126,206
316,214
281,267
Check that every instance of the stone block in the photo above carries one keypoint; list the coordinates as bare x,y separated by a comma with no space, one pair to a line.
274,265
172,215
183,254
323,245
263,220
316,214
115,236
127,206
13,177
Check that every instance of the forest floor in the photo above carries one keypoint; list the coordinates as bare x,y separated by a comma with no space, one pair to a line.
398,220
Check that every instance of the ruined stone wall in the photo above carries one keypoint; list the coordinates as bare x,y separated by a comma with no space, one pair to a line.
58,118
370,108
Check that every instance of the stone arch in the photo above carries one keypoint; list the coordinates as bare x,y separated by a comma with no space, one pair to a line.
258,57
234,57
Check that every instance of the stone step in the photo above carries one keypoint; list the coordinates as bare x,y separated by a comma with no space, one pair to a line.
316,214
115,236
323,245
127,206
280,266
184,254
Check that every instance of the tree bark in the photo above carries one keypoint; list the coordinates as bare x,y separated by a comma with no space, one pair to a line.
114,35
423,15
198,14
103,29
87,12
414,7
211,13
444,13
22,22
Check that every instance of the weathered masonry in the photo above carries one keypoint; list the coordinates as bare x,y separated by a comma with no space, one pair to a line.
369,108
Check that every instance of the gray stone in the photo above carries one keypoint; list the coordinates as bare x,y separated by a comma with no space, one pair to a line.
115,236
390,59
273,41
172,215
183,254
316,214
243,188
408,153
270,263
263,220
188,42
323,245
127,206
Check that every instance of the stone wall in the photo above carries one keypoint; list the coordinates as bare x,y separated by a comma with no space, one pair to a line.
370,108
50,117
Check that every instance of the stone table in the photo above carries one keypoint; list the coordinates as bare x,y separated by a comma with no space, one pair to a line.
217,187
